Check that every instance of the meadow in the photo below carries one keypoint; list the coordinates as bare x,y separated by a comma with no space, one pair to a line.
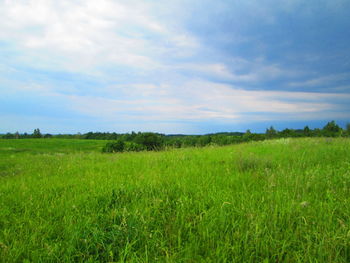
284,200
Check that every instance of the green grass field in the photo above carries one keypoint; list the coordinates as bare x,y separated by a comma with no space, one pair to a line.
285,200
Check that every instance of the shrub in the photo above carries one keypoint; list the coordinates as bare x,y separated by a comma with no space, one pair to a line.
151,141
112,147
133,147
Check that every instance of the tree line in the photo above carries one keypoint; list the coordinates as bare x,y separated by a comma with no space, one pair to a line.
155,141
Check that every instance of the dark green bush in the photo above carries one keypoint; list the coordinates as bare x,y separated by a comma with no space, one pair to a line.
151,141
112,147
133,147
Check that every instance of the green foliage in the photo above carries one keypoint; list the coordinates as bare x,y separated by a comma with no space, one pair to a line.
133,147
204,140
151,141
8,136
248,136
113,147
331,129
36,133
307,131
176,143
155,141
271,132
47,135
287,133
348,128
317,132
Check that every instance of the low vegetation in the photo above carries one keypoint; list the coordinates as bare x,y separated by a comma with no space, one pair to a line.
281,200
154,141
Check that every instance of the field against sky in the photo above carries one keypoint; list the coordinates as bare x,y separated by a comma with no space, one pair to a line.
284,200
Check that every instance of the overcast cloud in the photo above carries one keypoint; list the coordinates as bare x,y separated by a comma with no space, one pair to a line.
173,66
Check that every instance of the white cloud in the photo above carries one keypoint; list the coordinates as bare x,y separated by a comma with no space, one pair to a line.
242,71
89,33
206,101
320,81
81,36
194,100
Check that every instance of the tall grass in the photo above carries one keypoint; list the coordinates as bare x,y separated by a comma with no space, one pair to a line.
273,201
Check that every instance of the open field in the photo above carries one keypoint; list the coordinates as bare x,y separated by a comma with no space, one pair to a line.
285,200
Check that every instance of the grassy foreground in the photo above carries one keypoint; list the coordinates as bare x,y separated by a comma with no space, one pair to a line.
284,200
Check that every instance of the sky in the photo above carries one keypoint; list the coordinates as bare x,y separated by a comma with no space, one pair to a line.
173,66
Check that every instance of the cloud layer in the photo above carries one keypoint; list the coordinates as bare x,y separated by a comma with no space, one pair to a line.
172,67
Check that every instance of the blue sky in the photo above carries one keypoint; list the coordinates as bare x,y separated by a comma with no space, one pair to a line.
179,66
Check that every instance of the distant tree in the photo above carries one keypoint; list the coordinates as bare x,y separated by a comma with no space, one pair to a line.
189,141
271,132
220,139
247,136
348,128
317,132
331,129
133,135
36,133
89,135
8,136
204,140
290,133
287,133
176,143
307,131
150,140
258,137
